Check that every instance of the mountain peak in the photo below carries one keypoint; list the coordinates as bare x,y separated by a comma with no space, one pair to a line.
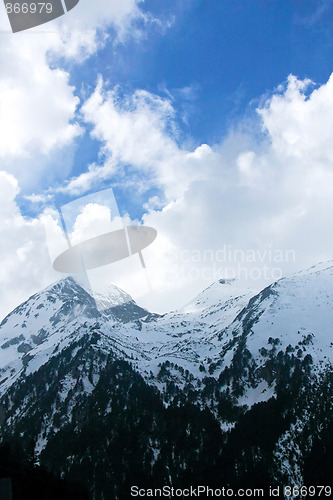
109,296
105,297
218,293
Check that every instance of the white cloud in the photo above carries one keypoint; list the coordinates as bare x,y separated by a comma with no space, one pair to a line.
133,128
25,263
301,127
93,220
83,30
101,14
37,103
139,134
269,199
39,198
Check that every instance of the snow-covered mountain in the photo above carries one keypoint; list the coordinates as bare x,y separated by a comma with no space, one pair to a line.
49,320
297,311
68,364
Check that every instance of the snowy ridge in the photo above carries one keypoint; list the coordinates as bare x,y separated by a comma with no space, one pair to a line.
297,311
203,338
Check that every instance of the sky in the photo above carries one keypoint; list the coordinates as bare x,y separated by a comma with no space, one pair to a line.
209,120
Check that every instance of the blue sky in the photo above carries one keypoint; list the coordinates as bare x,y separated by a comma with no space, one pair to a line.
214,59
211,120
228,52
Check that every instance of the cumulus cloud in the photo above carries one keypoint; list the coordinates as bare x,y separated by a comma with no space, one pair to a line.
256,207
300,126
37,102
25,263
273,200
93,220
139,134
